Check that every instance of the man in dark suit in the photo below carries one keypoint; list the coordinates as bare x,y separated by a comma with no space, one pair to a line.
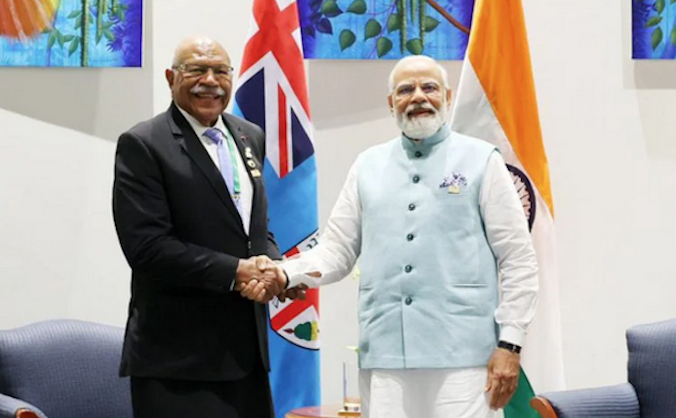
191,212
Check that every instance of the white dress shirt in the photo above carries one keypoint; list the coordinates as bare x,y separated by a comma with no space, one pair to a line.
506,231
246,192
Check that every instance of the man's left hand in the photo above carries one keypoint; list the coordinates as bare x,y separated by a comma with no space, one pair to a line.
298,292
503,377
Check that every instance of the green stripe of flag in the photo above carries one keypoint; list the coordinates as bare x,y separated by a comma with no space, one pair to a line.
519,406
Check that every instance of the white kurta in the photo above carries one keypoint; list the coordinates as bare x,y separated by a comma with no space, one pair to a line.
434,393
428,393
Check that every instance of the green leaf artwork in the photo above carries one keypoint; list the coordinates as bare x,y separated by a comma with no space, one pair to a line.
654,29
653,21
73,48
657,37
347,39
415,46
384,46
357,7
393,23
74,33
387,29
330,7
373,29
430,24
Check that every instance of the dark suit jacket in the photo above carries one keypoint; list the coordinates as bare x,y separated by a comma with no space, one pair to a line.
183,237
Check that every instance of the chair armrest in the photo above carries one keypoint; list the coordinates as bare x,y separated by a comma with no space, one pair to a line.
543,407
15,408
618,401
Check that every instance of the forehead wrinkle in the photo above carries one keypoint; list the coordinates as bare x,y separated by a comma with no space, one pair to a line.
417,66
209,56
201,49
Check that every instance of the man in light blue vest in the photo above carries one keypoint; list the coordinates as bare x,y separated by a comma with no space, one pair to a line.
448,280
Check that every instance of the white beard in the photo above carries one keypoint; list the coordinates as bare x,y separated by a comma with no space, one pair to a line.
421,127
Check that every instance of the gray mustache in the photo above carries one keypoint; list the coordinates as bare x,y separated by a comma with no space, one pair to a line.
423,106
216,91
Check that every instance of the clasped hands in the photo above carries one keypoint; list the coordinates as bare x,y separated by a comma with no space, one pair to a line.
260,279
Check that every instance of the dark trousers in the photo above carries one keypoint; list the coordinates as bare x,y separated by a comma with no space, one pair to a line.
168,398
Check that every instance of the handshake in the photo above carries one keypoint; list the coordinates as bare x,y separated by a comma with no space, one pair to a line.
260,279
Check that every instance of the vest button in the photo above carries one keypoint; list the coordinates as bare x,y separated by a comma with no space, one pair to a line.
418,154
411,207
416,179
409,237
408,268
409,300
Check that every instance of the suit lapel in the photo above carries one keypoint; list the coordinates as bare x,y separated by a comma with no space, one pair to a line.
186,136
254,168
250,159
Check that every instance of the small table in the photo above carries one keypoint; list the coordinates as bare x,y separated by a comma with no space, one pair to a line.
330,411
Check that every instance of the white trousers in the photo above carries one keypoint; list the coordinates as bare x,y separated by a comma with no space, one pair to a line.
425,393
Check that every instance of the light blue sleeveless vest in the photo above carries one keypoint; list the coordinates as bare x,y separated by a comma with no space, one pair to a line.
428,284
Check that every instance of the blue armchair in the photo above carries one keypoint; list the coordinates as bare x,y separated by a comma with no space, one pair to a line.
650,392
62,369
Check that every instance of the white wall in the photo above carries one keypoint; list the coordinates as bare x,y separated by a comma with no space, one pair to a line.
612,153
607,131
60,256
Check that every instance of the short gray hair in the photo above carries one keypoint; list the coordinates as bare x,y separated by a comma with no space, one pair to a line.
444,73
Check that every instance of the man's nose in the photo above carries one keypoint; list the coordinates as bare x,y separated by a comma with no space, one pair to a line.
210,77
418,96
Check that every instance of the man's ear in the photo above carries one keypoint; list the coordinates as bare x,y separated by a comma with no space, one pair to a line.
169,74
390,102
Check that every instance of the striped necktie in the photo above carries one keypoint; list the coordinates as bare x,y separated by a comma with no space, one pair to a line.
228,162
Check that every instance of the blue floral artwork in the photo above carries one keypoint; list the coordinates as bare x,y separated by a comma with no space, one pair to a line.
654,29
385,29
71,33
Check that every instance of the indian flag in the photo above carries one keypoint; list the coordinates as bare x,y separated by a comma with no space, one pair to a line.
496,102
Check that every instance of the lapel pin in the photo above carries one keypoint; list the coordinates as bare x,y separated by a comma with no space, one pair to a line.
454,189
251,163
248,153
255,173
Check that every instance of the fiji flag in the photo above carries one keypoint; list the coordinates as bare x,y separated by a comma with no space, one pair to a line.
272,93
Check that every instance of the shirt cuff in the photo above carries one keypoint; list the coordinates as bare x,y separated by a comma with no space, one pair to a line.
295,280
512,335
296,269
232,284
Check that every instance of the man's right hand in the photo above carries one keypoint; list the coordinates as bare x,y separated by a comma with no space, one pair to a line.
259,278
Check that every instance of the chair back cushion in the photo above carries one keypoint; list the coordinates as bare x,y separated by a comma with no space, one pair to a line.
652,367
67,368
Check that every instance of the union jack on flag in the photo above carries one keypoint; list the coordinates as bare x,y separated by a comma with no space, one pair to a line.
272,93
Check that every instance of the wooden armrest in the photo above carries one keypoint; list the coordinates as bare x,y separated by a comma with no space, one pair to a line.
26,413
543,407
